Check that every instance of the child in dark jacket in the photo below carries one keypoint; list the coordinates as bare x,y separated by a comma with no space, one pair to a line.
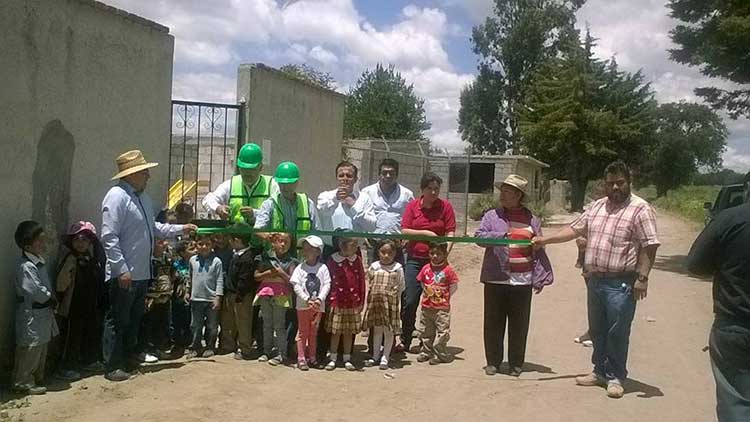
242,273
80,292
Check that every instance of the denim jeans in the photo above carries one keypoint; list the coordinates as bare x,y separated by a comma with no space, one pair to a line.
274,326
730,361
203,315
122,322
180,331
611,307
410,298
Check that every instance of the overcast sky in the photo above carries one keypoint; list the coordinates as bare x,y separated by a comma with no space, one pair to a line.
427,40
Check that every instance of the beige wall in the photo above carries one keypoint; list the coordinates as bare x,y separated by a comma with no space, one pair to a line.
303,123
80,82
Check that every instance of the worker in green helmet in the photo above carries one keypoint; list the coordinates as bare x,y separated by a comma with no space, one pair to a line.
288,209
240,198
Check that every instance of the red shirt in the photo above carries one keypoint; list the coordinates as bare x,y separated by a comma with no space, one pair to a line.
436,284
439,219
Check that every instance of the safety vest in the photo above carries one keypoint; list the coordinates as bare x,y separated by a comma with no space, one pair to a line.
304,221
238,196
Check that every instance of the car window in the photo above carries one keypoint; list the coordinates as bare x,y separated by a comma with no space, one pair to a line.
736,197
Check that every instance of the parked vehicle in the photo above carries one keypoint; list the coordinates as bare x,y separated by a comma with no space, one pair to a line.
729,196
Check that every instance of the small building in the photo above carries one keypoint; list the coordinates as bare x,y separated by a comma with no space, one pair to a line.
483,172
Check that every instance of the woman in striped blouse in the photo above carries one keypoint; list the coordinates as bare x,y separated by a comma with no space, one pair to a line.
509,274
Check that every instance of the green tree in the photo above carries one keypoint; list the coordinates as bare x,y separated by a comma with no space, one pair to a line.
716,36
582,113
519,36
306,73
719,178
481,120
382,104
689,137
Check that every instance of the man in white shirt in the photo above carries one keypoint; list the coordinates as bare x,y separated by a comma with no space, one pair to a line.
389,198
345,207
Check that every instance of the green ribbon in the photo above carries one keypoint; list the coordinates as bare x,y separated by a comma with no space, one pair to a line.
300,234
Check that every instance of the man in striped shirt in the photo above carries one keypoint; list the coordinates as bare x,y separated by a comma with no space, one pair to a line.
622,243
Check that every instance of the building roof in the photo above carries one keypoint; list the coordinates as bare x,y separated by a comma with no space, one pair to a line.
126,15
495,158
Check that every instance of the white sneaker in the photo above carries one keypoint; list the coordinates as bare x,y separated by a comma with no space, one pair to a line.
350,366
147,358
263,358
369,363
331,365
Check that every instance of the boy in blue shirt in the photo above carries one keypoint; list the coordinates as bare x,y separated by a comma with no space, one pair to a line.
35,304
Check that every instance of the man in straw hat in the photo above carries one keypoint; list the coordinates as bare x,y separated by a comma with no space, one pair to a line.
129,230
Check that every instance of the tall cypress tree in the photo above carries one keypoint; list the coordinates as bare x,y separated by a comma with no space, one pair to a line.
582,113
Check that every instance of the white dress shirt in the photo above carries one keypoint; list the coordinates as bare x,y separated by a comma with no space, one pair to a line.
388,208
334,214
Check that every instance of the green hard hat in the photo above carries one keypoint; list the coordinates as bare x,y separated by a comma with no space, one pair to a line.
286,172
250,156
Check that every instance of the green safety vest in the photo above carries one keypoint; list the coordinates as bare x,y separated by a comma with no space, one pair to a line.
304,221
238,196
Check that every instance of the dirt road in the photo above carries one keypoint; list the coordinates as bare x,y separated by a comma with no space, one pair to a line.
671,379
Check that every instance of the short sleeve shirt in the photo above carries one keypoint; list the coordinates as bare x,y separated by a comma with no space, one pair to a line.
436,285
439,219
616,233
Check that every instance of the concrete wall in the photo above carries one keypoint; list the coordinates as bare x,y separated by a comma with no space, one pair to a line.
301,122
80,82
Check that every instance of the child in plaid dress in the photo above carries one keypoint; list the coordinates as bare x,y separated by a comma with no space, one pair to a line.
346,298
383,314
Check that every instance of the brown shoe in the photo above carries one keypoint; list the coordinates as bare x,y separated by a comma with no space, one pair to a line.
591,380
615,390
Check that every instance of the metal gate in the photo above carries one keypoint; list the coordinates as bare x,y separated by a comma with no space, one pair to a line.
204,138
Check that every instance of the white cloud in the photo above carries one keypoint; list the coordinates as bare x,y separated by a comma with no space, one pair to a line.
206,86
441,90
323,56
212,37
202,52
736,161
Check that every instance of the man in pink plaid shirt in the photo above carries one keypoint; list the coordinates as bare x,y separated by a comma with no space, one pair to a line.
621,247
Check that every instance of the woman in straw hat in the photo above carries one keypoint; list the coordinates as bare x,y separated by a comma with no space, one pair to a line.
129,231
509,274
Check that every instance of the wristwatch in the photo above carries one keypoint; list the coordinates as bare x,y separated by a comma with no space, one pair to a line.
643,278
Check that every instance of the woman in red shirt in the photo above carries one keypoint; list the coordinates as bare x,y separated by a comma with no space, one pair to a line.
427,215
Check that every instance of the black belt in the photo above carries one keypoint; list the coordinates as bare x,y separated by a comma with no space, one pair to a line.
34,305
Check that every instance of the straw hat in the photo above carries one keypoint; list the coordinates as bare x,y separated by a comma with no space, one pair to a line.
515,181
131,162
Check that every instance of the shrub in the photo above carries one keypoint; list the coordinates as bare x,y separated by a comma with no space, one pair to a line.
480,204
487,201
687,201
539,209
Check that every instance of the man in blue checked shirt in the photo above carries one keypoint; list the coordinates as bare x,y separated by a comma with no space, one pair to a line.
129,230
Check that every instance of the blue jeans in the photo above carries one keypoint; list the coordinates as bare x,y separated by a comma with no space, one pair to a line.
203,315
180,331
611,306
410,299
730,348
122,322
274,326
